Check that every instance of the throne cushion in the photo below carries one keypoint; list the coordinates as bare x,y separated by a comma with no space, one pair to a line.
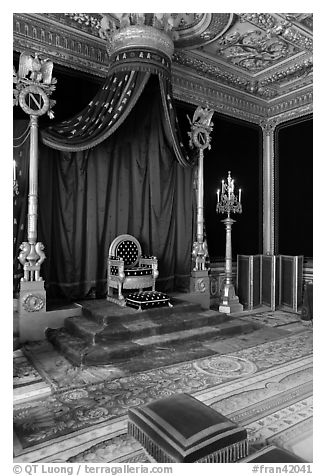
139,271
147,299
181,429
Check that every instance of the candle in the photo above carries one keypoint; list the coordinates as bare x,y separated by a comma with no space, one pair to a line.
218,196
239,195
232,190
14,164
222,187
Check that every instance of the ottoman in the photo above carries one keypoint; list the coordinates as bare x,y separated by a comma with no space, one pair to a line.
181,429
272,454
147,300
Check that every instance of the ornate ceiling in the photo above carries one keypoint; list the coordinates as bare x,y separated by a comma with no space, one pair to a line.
254,66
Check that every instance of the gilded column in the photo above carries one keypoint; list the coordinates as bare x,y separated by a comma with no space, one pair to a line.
33,87
33,182
200,198
268,127
201,127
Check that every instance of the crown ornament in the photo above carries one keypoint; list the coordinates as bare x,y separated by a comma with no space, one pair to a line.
139,30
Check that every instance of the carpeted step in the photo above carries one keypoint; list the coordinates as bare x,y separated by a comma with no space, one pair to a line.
79,352
104,312
141,325
72,347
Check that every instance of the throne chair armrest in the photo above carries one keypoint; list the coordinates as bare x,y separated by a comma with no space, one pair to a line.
150,261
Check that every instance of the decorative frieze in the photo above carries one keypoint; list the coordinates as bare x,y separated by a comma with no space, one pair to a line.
285,75
254,50
195,91
264,88
284,28
263,20
90,22
292,108
64,47
206,69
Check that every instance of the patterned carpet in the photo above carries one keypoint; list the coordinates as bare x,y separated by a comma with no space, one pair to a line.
275,406
27,381
267,387
274,318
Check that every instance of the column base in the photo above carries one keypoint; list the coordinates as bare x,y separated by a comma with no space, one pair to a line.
230,308
229,302
199,284
32,297
31,309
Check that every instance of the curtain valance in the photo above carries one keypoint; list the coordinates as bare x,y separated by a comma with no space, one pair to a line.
129,71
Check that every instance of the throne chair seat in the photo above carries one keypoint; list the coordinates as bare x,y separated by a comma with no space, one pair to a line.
128,268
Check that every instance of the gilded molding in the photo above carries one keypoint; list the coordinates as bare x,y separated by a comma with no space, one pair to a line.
296,71
142,36
295,106
294,113
194,81
262,20
69,48
254,50
284,29
265,88
196,91
209,70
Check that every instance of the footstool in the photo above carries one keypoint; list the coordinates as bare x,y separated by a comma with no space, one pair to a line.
147,300
272,454
181,429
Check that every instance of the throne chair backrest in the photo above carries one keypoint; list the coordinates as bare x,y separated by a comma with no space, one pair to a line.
128,248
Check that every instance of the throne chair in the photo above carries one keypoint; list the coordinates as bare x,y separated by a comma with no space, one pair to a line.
128,269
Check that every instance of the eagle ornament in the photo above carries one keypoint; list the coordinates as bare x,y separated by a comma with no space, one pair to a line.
201,127
35,69
34,84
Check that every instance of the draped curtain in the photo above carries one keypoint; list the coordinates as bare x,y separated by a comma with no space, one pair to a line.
129,183
119,166
21,157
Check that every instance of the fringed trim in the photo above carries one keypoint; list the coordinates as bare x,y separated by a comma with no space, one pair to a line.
156,452
229,454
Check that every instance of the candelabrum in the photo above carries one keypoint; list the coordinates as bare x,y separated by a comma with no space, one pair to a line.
228,202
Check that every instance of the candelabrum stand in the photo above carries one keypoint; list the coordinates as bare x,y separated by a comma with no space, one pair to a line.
33,86
201,127
228,203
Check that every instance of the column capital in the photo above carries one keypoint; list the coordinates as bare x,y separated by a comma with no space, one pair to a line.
268,125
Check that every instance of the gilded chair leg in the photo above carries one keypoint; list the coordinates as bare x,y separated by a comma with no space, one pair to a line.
120,295
110,291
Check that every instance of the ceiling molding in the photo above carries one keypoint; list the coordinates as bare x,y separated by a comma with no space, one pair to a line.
199,75
61,44
198,92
